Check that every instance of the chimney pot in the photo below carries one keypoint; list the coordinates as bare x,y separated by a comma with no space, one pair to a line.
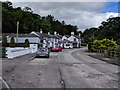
72,33
55,33
48,33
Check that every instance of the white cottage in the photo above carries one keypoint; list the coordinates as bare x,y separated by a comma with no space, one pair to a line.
34,40
72,41
49,40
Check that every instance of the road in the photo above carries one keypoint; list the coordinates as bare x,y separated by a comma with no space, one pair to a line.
71,68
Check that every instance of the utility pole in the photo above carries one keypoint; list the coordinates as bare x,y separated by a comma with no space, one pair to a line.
93,35
17,31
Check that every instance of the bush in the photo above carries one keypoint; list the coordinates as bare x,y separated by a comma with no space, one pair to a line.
26,43
12,42
103,44
117,48
90,46
83,44
111,48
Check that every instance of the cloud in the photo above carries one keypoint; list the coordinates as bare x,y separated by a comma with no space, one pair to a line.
83,14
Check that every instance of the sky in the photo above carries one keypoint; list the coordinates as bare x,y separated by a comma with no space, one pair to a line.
84,14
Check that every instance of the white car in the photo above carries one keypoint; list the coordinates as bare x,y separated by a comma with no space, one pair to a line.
68,46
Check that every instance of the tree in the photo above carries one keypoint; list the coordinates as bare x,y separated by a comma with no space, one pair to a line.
12,42
27,9
4,41
30,21
26,43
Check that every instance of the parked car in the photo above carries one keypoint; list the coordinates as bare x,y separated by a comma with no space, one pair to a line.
43,52
57,49
68,46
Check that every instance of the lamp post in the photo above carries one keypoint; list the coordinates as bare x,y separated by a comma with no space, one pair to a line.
17,31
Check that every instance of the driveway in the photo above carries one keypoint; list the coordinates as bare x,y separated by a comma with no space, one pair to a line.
72,68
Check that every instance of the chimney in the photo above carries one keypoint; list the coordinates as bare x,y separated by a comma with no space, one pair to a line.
41,30
72,33
48,33
55,33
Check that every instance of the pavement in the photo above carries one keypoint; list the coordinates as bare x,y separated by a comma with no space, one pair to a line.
71,68
106,59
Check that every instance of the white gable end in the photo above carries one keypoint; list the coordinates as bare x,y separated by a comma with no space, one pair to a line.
72,38
64,37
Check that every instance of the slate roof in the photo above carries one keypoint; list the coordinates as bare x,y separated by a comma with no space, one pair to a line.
65,40
46,35
19,35
77,36
67,36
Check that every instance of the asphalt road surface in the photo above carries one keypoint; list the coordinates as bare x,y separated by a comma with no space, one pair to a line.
71,68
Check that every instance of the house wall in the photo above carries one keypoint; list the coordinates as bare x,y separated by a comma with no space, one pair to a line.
22,39
64,37
71,38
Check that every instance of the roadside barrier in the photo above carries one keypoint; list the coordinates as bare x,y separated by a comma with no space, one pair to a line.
112,54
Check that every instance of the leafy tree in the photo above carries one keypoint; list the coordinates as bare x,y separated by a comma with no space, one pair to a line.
30,21
12,42
109,29
26,43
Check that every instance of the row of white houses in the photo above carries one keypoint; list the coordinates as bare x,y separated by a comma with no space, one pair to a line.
39,39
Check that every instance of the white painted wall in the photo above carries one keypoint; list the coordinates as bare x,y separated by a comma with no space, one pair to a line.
33,47
71,38
18,51
22,39
64,37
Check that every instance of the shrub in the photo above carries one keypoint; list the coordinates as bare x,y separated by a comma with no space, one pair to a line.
83,44
26,43
12,42
90,46
111,48
103,44
117,48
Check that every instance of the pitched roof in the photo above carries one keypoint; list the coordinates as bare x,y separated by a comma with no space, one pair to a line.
67,36
65,40
46,35
19,35
77,36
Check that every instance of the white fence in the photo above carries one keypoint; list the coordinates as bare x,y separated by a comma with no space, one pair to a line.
18,51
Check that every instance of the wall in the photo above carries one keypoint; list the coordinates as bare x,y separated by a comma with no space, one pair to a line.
71,38
64,37
16,52
33,47
22,39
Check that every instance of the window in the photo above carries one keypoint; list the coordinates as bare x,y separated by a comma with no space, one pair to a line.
41,41
67,44
74,39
